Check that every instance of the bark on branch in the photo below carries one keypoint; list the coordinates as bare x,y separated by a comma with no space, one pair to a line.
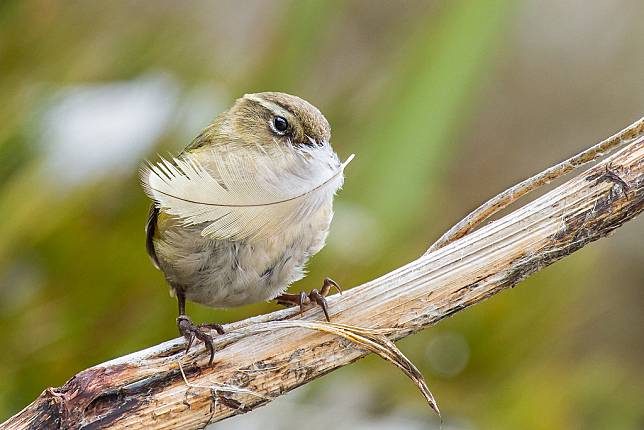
260,359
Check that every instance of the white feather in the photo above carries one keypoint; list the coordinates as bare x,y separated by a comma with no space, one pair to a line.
245,194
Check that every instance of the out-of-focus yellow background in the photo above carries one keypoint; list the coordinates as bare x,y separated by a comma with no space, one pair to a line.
445,104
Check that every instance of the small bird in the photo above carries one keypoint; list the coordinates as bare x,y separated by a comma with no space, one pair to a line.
239,212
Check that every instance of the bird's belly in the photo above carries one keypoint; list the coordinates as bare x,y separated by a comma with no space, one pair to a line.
233,275
223,273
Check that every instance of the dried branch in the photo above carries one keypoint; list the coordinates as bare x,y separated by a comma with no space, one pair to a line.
264,357
509,196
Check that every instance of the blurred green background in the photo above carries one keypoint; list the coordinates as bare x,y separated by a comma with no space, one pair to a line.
445,103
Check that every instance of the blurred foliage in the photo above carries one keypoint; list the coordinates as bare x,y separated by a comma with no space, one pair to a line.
444,103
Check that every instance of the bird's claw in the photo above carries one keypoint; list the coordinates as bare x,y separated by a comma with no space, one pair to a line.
303,300
191,331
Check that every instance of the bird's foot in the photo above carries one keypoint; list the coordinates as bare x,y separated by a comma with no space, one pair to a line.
191,331
303,300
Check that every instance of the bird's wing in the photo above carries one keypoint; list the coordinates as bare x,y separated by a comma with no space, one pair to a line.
150,228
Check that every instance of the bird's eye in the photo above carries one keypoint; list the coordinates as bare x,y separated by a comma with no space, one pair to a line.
281,124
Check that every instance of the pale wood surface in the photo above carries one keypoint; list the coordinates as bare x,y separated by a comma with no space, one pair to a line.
146,389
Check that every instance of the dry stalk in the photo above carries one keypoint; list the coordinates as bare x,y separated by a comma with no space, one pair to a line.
509,196
266,356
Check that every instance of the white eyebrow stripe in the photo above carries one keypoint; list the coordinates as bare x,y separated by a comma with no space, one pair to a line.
273,107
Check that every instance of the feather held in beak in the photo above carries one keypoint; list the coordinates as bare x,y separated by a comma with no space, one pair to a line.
237,196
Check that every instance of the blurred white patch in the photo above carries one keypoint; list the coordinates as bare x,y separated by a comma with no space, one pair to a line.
354,234
96,130
448,354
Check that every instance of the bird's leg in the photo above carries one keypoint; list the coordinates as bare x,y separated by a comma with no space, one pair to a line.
303,299
191,331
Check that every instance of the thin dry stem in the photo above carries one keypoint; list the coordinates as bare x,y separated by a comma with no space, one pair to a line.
373,340
509,196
